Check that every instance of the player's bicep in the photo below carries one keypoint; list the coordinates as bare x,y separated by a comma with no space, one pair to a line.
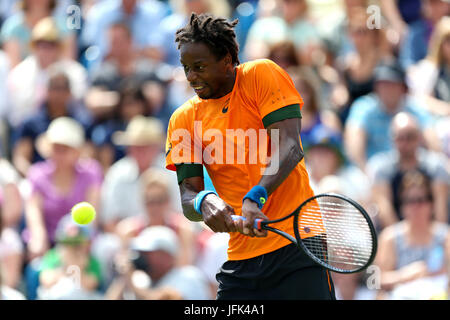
287,130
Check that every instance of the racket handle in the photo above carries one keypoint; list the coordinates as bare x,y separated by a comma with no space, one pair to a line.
256,224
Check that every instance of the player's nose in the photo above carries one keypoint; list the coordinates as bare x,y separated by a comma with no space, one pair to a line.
191,76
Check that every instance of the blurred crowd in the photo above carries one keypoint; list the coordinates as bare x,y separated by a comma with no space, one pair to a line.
87,89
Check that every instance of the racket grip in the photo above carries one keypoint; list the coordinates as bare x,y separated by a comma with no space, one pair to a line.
256,224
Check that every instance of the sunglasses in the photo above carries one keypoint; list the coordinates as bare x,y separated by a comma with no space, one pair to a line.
406,136
157,201
416,200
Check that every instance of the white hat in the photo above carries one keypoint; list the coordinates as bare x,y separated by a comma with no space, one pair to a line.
141,131
62,130
46,30
156,238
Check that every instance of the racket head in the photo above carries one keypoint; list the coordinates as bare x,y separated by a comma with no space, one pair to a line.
335,232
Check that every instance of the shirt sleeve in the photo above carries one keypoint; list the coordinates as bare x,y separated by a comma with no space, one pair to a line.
37,177
50,261
182,146
276,96
9,29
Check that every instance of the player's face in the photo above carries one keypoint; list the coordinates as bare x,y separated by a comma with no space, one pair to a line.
209,77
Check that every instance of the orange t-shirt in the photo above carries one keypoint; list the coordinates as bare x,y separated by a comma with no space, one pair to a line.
227,136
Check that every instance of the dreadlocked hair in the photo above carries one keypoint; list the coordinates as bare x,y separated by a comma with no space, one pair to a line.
217,33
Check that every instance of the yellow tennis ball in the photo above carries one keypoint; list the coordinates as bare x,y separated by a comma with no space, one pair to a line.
83,213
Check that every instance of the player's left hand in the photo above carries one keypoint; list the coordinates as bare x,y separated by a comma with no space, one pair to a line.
251,212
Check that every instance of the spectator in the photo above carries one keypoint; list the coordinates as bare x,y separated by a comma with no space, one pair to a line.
314,116
181,13
429,79
158,247
58,183
401,13
142,17
12,206
367,127
159,212
121,63
122,188
69,271
335,36
284,54
443,130
212,257
4,70
357,67
131,103
293,24
388,168
416,42
16,32
7,9
413,248
7,293
27,82
58,103
324,158
11,252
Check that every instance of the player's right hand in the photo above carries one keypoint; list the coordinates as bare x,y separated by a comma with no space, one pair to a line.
217,214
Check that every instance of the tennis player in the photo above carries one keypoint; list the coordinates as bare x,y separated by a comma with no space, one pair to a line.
253,97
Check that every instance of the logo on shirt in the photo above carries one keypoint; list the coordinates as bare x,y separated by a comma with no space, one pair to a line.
168,149
225,107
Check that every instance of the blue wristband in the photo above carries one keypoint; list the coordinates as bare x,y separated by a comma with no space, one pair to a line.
199,199
257,194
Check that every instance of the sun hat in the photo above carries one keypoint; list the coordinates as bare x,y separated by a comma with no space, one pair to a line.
63,130
45,30
156,238
141,131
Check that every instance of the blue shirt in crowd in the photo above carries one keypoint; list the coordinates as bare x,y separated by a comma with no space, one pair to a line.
143,23
415,45
369,113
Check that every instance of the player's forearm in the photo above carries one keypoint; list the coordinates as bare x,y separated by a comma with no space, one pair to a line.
188,194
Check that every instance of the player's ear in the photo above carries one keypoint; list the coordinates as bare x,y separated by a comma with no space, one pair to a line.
227,60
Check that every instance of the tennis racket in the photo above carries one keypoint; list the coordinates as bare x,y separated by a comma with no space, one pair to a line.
333,230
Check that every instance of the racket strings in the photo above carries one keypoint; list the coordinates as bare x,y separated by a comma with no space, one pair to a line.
340,234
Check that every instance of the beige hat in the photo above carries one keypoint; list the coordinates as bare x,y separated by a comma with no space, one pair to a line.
62,130
45,30
141,131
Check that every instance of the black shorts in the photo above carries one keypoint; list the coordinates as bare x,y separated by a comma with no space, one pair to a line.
284,274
